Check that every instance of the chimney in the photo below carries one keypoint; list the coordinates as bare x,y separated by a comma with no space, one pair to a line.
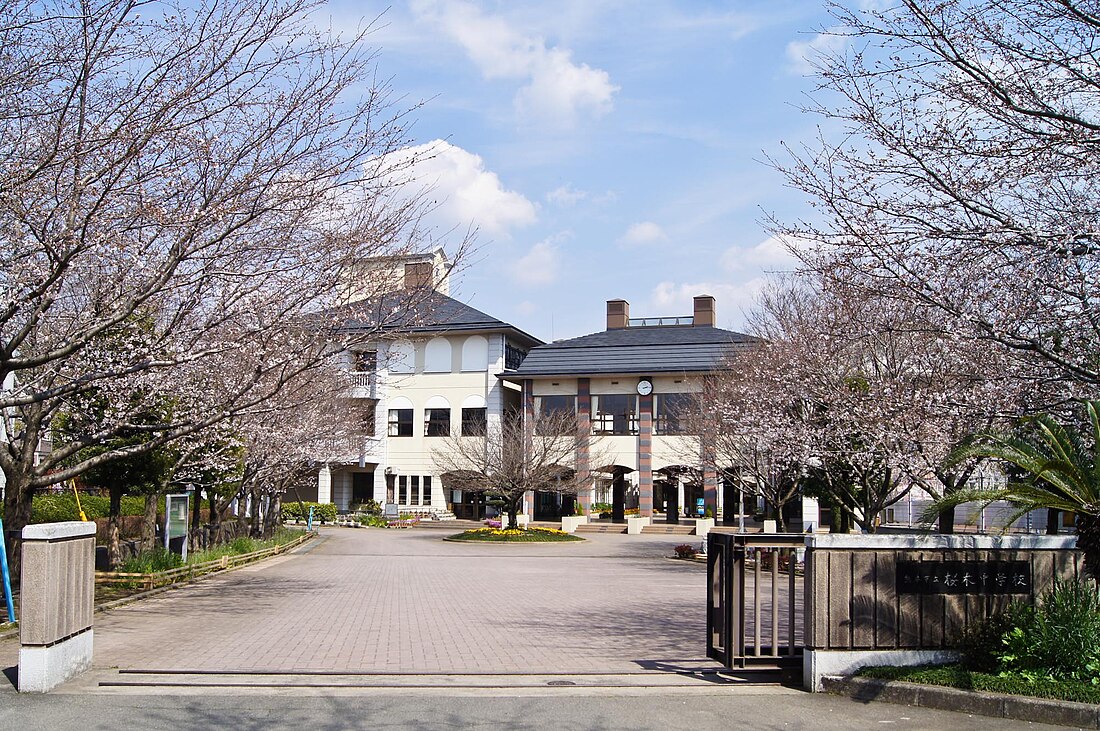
418,275
703,314
618,314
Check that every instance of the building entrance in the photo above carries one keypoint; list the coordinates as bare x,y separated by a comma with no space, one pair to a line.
553,505
362,487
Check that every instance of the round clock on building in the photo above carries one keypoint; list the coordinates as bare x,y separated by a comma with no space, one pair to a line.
645,387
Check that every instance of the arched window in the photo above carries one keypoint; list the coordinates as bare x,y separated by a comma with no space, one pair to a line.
437,356
400,421
437,417
473,416
475,353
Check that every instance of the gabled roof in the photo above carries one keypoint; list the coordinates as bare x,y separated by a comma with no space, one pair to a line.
427,312
634,350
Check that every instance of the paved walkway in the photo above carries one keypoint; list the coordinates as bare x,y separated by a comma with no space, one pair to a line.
364,601
406,601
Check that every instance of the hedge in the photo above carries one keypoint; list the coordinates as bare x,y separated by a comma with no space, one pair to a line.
56,508
324,512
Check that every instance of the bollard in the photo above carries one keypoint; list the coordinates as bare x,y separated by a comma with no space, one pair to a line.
57,599
5,576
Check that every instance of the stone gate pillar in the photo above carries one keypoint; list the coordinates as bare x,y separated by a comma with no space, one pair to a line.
57,587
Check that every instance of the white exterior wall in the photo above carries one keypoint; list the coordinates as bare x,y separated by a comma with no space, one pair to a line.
413,456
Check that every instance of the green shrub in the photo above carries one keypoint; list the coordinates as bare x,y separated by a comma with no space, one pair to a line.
601,507
147,562
981,644
1060,637
243,545
374,521
322,512
62,506
370,507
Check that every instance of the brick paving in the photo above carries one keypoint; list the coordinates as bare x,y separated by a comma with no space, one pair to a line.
406,601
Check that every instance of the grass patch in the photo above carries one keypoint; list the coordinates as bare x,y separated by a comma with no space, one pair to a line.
530,535
243,545
956,676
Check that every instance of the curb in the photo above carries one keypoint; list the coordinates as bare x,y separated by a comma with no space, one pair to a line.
976,702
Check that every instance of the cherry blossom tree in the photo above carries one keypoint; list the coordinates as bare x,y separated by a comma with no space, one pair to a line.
187,188
956,167
519,456
857,399
753,427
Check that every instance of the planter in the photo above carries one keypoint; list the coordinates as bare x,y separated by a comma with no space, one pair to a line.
703,526
635,523
569,523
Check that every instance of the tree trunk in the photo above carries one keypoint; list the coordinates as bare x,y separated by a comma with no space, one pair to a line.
947,521
254,525
1052,521
114,549
196,521
149,522
271,519
512,508
215,517
17,515
242,505
1088,540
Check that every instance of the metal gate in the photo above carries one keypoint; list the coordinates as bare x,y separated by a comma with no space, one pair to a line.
755,600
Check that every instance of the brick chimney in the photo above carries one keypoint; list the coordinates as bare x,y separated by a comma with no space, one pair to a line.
618,314
418,275
703,314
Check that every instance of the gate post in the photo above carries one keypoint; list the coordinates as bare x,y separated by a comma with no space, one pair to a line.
57,589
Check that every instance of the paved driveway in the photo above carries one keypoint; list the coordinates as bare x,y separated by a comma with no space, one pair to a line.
403,601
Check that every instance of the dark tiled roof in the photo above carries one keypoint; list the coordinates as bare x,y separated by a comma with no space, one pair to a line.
641,350
429,312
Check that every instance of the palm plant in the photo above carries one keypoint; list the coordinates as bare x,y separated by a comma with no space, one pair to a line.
1061,470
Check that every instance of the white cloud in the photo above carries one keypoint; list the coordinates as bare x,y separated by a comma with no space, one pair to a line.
466,192
731,298
803,55
539,266
557,91
566,195
771,254
640,234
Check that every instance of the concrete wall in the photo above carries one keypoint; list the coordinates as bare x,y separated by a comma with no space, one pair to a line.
855,615
851,598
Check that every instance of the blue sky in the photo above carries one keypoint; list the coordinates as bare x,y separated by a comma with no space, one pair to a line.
604,149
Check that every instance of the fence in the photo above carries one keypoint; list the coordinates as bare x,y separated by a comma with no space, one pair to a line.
172,576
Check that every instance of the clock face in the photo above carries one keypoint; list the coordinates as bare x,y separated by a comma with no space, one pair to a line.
645,387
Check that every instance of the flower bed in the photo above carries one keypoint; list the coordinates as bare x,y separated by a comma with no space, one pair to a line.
517,535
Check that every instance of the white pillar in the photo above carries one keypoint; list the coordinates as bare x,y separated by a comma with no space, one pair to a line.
680,495
324,485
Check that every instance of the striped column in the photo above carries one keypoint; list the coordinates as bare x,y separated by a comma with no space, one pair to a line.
584,439
645,455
